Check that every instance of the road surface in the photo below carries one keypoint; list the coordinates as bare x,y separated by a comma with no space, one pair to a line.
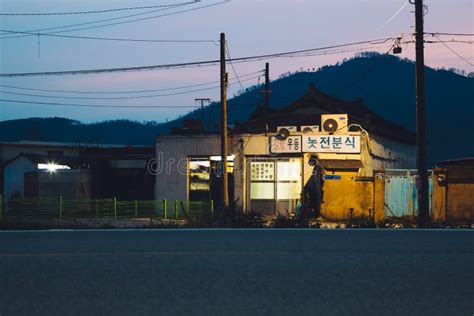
237,272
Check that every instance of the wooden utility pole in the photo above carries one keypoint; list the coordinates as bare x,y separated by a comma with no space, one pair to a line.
266,91
225,184
202,100
423,202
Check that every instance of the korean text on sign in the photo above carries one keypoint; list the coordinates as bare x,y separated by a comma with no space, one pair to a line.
331,143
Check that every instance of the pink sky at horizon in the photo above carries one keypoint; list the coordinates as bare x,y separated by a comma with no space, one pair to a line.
287,25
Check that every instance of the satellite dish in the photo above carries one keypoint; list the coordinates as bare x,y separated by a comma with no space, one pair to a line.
330,125
283,134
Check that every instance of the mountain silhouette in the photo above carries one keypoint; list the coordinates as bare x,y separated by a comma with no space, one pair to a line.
385,83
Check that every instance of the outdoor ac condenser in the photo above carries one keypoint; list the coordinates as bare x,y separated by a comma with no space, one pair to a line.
285,131
309,129
334,123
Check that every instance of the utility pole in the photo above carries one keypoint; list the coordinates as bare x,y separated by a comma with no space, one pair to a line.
266,91
202,100
423,202
225,184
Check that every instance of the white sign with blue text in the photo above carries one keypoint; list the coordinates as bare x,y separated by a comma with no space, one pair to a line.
346,144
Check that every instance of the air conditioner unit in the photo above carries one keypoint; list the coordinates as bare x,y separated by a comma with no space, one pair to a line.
309,129
285,131
334,123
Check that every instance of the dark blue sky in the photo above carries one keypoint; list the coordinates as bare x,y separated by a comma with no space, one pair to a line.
252,27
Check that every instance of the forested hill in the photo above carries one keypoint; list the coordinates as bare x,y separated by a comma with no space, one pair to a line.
385,83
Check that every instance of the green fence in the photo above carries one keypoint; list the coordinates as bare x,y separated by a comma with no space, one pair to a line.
60,208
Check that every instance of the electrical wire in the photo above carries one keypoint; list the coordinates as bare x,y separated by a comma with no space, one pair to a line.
117,106
121,22
450,41
191,64
454,52
123,92
393,16
89,12
111,38
232,65
96,21
363,75
122,97
102,105
449,34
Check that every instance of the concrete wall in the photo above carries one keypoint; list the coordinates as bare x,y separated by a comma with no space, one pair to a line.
454,194
385,153
172,159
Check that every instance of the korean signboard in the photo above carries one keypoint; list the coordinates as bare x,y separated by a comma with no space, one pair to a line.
344,144
348,144
292,144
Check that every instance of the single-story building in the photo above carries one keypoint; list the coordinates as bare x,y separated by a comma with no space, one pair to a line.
91,173
317,148
454,190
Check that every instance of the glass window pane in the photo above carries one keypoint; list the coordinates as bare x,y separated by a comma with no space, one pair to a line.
262,190
289,191
199,175
262,171
289,170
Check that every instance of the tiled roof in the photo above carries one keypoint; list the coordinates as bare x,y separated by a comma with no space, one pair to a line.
307,110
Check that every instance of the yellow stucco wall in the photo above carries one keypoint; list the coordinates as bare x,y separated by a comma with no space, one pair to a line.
438,212
461,201
454,199
349,192
379,196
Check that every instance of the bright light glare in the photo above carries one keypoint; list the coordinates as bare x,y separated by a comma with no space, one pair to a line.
218,158
52,167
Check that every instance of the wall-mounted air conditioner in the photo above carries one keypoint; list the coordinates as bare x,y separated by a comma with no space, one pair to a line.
334,123
309,129
285,131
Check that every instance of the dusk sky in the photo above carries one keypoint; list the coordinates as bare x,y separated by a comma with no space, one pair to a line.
252,27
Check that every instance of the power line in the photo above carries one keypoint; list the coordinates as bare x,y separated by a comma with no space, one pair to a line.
111,106
123,92
90,11
110,38
118,18
364,74
393,16
98,21
449,34
454,52
190,64
122,97
232,65
101,105
450,41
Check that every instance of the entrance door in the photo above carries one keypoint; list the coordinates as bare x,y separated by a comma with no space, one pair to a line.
216,182
274,185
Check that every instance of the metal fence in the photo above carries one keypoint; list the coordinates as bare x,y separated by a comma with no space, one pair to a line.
59,208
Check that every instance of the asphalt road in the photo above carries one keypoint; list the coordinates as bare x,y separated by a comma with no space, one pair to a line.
237,272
